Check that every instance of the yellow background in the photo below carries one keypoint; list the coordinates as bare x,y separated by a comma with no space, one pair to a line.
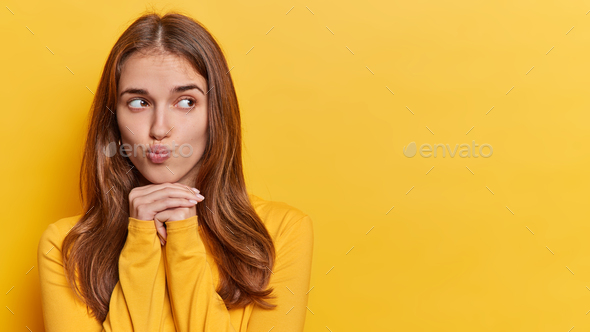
324,134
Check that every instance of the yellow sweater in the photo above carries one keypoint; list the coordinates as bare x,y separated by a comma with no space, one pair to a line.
173,287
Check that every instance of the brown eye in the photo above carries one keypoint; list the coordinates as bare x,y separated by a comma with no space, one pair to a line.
186,103
138,103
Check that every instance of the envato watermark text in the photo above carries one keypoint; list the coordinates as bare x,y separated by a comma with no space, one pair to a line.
125,149
463,151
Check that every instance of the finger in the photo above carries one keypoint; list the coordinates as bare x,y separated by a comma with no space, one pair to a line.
139,192
165,192
144,190
164,216
167,203
175,214
182,187
161,230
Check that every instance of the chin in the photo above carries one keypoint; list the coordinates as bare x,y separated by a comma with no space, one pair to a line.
161,176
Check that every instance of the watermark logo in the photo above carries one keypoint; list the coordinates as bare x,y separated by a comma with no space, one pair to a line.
127,149
462,150
410,150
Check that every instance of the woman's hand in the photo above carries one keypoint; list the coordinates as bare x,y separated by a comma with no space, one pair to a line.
172,214
163,202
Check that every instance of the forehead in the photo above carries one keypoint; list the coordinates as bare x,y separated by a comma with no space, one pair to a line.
158,70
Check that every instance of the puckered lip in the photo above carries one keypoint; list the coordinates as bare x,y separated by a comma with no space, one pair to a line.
158,148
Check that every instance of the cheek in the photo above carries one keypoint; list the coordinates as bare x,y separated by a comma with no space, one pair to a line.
122,123
193,143
200,129
198,139
130,129
196,133
131,145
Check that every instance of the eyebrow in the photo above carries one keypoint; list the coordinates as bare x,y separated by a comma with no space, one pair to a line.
176,89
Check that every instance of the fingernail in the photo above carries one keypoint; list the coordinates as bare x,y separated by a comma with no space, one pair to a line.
161,242
196,190
201,196
193,201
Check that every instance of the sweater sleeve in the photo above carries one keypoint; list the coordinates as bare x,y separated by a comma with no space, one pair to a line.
195,303
137,301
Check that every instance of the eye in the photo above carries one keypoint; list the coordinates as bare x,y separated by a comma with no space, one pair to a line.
137,103
186,103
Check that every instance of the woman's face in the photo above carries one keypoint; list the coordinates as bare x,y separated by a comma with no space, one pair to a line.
162,102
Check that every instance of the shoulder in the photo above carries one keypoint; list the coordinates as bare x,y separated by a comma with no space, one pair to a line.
54,233
283,220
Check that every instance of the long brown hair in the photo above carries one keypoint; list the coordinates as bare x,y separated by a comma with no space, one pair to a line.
245,254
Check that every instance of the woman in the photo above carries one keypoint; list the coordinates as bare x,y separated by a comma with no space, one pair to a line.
151,252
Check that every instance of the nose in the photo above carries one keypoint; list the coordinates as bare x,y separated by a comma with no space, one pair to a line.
161,124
